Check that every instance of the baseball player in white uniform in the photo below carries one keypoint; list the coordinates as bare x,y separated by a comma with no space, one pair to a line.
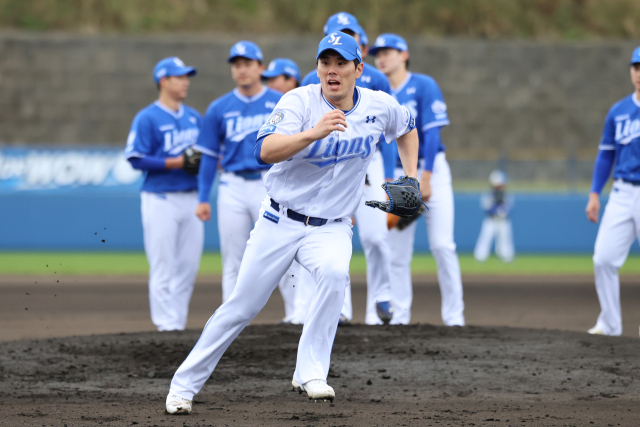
320,139
371,223
619,150
497,224
422,96
173,236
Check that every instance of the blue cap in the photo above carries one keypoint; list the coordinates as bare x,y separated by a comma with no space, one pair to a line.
364,40
389,41
341,21
172,66
282,66
635,57
342,43
245,49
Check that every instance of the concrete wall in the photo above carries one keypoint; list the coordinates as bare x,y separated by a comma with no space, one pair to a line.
535,108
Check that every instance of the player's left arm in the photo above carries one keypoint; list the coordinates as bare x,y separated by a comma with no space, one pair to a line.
401,126
602,168
408,145
432,115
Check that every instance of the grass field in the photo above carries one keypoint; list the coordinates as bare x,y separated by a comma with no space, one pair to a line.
123,263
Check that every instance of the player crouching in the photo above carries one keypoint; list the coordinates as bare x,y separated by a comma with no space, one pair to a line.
320,140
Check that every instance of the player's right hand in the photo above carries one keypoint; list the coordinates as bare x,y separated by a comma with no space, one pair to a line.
203,211
593,207
332,121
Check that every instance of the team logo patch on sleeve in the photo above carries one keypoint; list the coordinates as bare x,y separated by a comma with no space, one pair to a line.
271,217
276,118
438,107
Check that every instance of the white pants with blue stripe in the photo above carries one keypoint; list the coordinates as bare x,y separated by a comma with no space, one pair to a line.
619,228
275,242
173,242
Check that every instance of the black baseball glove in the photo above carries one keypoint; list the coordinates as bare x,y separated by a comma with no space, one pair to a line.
191,161
404,197
406,220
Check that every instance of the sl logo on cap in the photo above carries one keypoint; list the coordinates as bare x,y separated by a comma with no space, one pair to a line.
335,39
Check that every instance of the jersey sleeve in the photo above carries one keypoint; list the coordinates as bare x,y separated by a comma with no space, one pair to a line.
209,138
383,85
400,122
432,111
140,139
607,140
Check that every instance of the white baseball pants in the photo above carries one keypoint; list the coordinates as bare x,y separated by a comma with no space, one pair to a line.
238,207
173,242
499,229
439,219
324,251
619,227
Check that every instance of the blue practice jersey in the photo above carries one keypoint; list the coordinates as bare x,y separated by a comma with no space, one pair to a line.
158,131
622,134
422,97
372,79
231,126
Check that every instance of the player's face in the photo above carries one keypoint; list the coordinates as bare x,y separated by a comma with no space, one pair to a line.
246,72
176,87
635,76
337,75
390,60
281,83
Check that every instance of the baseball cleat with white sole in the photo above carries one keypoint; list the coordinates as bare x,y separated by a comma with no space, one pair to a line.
176,405
595,331
315,389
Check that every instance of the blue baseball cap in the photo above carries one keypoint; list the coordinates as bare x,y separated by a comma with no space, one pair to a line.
172,66
635,57
342,43
389,41
341,21
245,49
282,66
364,40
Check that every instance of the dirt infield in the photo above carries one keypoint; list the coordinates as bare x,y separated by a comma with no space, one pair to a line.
418,375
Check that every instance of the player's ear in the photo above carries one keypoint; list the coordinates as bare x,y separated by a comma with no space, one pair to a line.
405,56
359,69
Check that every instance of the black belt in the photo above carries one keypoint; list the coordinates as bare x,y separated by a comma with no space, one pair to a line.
634,183
306,220
249,175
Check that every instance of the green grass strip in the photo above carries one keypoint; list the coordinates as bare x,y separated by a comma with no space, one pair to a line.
123,263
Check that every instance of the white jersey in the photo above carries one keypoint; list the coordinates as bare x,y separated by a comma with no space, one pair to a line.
326,179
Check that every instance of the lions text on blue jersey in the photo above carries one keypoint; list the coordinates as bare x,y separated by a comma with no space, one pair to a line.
231,124
161,132
622,134
325,179
422,96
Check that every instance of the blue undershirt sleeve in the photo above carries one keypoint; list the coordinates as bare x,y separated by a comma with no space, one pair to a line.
148,163
206,175
431,138
257,150
602,169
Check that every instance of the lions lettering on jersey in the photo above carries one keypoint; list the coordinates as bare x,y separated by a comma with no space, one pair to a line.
622,133
230,127
325,179
158,131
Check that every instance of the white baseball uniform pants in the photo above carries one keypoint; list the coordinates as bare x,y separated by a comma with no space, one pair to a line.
499,229
324,251
173,242
619,227
373,232
239,202
439,219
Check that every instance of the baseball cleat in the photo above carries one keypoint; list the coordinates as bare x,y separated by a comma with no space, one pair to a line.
315,389
343,320
289,321
595,331
176,405
385,311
